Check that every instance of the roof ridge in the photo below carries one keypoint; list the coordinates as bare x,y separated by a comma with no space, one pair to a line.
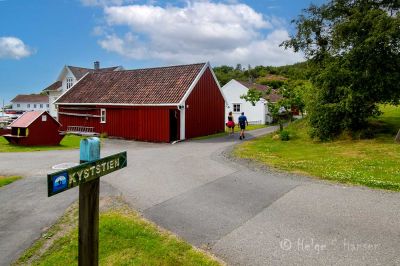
87,68
148,68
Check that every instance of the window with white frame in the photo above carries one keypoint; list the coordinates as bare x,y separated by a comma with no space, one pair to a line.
236,107
28,105
44,118
47,105
102,115
17,104
41,105
69,82
34,106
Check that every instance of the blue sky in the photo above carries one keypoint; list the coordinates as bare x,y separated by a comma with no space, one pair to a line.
39,37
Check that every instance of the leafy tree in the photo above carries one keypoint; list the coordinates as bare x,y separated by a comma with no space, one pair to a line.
294,93
353,48
226,73
252,96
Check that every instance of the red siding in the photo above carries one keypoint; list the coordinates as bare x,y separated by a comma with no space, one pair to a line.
44,133
139,123
204,116
205,108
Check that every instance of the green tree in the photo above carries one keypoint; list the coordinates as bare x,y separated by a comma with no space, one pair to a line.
252,96
353,48
294,93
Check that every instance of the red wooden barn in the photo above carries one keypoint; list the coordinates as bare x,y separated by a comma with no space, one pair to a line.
161,104
35,128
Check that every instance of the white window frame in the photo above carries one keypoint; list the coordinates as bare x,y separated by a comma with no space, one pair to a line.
18,105
235,105
41,105
34,105
28,105
44,118
103,115
70,82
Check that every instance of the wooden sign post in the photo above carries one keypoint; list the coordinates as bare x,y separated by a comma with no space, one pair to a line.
86,176
88,235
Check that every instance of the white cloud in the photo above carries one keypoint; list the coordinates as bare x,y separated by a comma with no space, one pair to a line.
199,31
14,48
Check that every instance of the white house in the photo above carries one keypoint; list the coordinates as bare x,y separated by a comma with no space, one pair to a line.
30,102
257,114
67,78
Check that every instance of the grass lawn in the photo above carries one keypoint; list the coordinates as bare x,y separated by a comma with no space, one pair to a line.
68,142
369,162
227,130
125,238
5,180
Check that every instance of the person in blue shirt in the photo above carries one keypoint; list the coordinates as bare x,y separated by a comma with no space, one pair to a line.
242,122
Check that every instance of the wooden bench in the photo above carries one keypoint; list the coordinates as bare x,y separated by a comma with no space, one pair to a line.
81,131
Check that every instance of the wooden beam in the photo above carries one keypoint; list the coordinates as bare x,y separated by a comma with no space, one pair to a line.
89,208
76,114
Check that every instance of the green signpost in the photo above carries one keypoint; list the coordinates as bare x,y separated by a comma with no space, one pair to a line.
86,176
65,179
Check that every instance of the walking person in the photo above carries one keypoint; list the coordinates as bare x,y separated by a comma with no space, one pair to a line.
242,122
230,124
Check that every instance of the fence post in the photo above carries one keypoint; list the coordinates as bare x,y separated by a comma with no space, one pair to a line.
89,208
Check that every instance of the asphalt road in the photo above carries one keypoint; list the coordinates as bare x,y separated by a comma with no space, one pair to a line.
245,216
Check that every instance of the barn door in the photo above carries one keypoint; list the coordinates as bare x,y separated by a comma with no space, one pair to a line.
173,125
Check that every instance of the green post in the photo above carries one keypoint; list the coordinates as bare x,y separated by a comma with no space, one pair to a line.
89,208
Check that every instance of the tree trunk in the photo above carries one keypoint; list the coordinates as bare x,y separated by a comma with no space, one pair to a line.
397,139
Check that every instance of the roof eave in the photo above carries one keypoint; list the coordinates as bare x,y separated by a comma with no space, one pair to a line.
121,104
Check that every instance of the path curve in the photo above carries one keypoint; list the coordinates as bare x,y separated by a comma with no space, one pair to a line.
245,216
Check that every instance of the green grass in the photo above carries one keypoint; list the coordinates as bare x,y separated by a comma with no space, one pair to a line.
253,127
68,142
227,130
5,180
370,162
125,238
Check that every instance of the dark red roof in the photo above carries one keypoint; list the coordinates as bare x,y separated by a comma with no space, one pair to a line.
274,96
162,85
54,86
26,119
79,72
35,98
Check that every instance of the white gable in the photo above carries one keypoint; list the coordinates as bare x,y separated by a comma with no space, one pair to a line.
233,90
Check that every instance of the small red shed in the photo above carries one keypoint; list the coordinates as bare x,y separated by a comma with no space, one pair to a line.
161,104
35,128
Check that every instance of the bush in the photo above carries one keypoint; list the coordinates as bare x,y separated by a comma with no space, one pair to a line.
103,135
284,135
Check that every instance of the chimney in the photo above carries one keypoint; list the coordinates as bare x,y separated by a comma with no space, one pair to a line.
96,65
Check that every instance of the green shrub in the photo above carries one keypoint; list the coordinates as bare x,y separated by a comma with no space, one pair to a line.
284,135
103,135
275,84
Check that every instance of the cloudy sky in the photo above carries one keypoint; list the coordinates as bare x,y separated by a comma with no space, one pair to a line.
37,38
